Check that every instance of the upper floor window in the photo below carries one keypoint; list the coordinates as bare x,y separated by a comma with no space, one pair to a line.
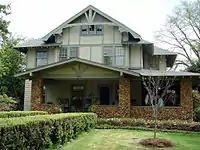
68,52
92,30
41,58
114,55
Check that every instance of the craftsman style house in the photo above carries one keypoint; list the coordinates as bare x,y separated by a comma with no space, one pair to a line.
91,57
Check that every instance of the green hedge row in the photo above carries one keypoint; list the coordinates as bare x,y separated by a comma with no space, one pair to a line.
10,114
43,131
113,123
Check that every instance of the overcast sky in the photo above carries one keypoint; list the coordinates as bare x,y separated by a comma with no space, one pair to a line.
35,18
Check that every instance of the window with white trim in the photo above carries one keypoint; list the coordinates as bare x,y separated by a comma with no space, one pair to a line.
41,58
114,55
68,52
92,30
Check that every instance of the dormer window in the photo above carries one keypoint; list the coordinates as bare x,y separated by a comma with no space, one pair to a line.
92,30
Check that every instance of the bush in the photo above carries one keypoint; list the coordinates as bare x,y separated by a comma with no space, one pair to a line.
7,103
42,131
10,114
132,123
197,114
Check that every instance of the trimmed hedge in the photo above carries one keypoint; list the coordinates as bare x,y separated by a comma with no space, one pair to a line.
10,114
113,123
43,131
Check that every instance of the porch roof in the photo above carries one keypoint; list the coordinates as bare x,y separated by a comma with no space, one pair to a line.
130,71
84,61
148,72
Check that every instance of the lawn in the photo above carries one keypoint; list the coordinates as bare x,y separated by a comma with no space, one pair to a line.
128,140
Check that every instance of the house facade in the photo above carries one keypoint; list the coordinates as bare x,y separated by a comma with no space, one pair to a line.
91,57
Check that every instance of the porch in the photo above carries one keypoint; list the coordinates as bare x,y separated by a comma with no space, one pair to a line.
119,92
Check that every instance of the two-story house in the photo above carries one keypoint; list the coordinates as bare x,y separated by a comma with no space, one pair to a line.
92,55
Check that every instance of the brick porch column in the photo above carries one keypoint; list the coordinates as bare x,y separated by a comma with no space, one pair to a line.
186,98
36,94
124,97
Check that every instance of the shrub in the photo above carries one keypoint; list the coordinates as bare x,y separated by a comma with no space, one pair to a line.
10,114
6,103
42,131
132,123
197,114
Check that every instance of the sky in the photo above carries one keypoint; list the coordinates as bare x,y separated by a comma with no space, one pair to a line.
35,18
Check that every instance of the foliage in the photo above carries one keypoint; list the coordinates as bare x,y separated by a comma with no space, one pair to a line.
181,32
111,123
6,103
4,11
196,100
12,114
94,102
11,62
42,131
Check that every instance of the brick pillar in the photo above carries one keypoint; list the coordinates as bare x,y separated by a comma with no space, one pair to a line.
124,97
186,98
36,94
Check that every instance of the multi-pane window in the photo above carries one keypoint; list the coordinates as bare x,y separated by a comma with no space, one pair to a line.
119,56
92,30
153,62
114,55
108,55
68,52
73,52
63,54
41,58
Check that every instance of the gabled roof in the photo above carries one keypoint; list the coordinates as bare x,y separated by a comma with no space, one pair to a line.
63,25
88,62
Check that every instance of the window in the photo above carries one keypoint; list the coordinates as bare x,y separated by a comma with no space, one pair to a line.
68,52
84,30
114,55
63,53
92,30
99,29
153,62
119,56
41,58
108,55
73,52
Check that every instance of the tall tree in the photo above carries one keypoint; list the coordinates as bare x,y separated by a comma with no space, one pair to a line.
4,11
11,62
181,32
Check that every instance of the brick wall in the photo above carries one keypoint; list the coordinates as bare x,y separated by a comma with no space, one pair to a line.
123,109
184,112
36,94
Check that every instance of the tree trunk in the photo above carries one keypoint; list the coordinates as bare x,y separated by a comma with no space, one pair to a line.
155,121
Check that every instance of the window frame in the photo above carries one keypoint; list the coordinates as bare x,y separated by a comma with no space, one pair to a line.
69,49
97,30
36,57
114,55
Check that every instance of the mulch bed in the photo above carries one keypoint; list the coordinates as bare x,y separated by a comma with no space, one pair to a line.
151,142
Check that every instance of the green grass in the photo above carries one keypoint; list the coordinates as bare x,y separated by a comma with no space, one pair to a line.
117,139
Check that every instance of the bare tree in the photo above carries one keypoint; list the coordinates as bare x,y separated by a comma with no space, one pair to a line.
157,88
181,32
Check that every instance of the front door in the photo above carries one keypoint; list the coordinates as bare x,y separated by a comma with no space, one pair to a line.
77,97
104,95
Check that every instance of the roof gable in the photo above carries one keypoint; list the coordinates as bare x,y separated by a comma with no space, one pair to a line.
89,13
